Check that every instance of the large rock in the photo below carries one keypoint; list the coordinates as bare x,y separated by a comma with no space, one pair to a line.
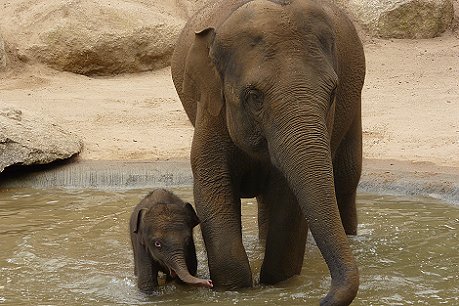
2,55
28,140
403,18
91,36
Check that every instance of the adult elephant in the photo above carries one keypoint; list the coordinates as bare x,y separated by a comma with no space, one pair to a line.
273,89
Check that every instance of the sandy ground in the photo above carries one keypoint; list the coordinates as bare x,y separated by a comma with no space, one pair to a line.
410,106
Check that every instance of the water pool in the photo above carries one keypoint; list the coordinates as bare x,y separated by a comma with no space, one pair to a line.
71,247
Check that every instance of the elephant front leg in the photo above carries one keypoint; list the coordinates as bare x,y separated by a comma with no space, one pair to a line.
287,233
191,259
147,270
219,212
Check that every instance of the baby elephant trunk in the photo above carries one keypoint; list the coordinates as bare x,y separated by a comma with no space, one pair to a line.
180,268
190,279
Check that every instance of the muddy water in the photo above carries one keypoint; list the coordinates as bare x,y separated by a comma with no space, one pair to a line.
66,247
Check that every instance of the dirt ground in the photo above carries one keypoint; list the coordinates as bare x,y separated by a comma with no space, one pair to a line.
410,106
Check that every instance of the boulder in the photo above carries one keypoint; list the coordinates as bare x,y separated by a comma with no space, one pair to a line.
93,37
403,18
29,140
2,54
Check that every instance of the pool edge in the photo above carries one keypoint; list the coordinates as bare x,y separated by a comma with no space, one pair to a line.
378,176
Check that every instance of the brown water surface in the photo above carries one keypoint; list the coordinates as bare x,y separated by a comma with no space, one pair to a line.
71,247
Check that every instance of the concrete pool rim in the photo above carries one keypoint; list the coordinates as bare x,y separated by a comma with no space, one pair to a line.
385,177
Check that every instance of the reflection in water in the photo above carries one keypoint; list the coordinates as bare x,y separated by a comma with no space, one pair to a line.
72,247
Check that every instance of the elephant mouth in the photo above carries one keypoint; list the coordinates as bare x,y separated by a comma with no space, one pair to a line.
172,273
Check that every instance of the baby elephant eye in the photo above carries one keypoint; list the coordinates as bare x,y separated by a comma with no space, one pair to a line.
158,244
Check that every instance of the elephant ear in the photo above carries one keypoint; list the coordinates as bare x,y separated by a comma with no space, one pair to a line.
194,220
202,80
138,219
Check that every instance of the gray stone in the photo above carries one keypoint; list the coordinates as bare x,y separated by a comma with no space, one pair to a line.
403,18
30,140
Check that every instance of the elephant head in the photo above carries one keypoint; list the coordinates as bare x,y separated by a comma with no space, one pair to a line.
162,238
274,82
285,78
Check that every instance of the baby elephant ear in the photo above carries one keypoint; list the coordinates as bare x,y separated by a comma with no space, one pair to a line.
194,220
138,219
202,81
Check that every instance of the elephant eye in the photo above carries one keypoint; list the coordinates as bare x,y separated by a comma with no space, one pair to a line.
253,96
158,244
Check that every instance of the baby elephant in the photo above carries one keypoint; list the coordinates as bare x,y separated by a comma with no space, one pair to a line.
161,228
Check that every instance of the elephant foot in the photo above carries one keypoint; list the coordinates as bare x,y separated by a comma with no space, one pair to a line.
237,278
147,290
343,294
147,286
232,285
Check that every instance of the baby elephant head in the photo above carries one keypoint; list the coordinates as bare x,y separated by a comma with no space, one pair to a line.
162,239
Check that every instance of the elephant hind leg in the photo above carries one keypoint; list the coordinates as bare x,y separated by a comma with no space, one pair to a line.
348,212
347,167
263,219
287,233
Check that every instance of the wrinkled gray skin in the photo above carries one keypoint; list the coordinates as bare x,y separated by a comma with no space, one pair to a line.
161,228
273,89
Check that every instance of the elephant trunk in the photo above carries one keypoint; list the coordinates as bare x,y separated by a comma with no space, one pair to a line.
300,149
178,265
